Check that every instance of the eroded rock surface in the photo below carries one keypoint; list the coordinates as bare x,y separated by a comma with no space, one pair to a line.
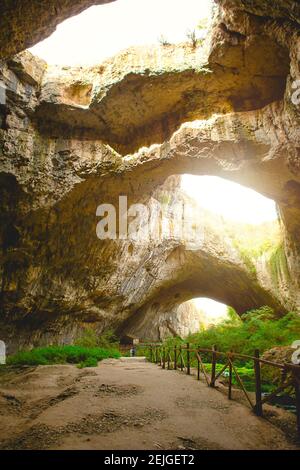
117,102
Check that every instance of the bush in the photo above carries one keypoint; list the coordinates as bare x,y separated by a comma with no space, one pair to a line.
90,339
258,329
163,41
62,355
89,362
192,38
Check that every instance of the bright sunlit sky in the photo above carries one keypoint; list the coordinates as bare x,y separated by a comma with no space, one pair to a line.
102,31
230,200
215,311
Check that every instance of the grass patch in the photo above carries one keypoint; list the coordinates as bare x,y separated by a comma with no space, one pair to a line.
86,357
89,362
247,376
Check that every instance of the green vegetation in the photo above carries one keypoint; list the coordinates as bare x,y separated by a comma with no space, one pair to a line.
257,329
164,199
204,24
194,36
87,351
252,242
246,374
90,339
278,265
255,240
89,362
85,357
247,259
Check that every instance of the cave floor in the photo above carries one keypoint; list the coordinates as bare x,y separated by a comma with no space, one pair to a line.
124,404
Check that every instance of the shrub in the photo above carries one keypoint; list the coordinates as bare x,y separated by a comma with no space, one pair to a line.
258,329
62,355
89,362
163,41
90,339
192,38
108,340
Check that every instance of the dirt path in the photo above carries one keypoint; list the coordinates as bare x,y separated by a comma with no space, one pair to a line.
124,404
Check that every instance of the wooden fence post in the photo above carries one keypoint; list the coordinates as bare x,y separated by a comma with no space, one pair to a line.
230,377
168,357
156,355
198,367
181,361
151,354
213,367
164,358
188,359
175,357
258,405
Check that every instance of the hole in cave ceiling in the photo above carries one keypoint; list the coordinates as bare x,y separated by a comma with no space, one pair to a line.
230,200
104,30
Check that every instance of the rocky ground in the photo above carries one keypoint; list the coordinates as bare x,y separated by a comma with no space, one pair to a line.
127,404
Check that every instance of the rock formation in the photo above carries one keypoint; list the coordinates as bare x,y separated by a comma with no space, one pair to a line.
73,138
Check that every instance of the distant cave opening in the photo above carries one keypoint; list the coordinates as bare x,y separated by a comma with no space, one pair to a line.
193,316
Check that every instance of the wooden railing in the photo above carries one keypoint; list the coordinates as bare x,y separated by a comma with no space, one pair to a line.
180,358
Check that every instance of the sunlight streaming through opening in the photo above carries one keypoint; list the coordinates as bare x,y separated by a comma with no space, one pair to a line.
212,312
104,30
230,200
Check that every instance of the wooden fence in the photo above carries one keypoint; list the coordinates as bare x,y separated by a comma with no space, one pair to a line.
180,358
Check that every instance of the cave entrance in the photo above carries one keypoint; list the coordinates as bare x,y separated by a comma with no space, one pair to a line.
193,316
102,31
